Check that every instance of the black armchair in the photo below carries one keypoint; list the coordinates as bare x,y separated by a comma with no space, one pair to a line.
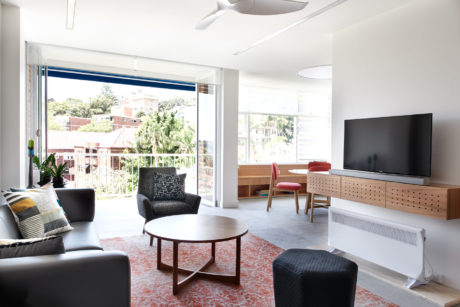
151,209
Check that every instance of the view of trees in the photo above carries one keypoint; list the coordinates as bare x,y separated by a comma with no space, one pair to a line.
161,133
98,126
100,104
270,136
165,131
168,105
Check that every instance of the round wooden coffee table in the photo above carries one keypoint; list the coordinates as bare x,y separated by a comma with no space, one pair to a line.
192,228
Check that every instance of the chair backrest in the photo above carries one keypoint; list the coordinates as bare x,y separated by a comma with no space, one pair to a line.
275,171
146,179
317,166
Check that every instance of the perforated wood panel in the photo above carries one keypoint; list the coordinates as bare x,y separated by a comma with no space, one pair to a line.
430,201
437,200
323,184
366,191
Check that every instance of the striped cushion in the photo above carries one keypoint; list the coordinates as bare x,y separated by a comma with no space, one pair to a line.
37,212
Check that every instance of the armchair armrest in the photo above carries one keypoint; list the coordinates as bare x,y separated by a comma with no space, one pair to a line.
78,204
193,200
144,208
83,278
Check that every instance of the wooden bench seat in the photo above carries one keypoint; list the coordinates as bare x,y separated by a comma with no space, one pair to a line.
256,177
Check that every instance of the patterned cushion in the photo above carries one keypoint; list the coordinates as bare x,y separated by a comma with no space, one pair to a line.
168,187
37,212
10,248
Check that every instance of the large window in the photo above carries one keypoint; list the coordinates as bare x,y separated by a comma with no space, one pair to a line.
283,126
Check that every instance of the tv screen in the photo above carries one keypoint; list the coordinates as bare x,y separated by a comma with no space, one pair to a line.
395,145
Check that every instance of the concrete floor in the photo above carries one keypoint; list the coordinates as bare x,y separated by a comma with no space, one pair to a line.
281,226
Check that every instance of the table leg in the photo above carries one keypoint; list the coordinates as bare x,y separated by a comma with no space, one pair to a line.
213,251
175,267
238,260
307,203
158,253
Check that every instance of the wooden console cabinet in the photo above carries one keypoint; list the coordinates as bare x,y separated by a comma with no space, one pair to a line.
256,177
436,200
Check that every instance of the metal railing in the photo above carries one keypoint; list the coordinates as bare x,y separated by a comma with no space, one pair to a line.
117,174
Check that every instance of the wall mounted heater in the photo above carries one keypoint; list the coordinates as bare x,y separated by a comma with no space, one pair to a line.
395,246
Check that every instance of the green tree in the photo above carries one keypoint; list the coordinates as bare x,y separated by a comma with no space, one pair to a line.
163,132
169,105
284,126
58,108
98,126
104,101
53,124
81,110
140,114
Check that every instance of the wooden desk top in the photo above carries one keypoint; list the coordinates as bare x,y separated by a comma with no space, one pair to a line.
298,171
195,228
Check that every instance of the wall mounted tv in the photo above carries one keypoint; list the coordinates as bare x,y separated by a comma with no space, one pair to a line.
394,145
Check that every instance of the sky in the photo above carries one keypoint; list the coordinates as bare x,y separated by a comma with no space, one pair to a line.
60,89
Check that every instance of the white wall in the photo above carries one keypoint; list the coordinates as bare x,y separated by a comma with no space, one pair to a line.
229,139
1,69
403,62
12,142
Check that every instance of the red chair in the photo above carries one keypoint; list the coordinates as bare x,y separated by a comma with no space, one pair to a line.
316,200
282,187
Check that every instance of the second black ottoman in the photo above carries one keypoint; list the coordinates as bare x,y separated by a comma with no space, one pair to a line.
315,278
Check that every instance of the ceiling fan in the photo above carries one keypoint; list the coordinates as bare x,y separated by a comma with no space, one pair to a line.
251,7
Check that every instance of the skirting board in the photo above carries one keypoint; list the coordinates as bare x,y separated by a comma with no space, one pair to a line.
433,292
380,176
229,204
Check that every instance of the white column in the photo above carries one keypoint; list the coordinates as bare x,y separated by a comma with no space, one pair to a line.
1,84
12,132
228,196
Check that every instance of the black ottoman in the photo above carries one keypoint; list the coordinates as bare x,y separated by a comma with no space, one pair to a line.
304,277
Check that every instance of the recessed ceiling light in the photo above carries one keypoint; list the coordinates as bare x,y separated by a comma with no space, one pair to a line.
70,14
317,72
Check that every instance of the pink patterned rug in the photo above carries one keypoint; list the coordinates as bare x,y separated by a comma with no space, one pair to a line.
150,287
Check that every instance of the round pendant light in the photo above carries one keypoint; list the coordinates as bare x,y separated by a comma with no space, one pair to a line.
317,72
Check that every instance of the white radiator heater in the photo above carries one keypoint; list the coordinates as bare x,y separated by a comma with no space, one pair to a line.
395,246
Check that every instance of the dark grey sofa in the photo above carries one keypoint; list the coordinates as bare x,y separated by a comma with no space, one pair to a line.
84,276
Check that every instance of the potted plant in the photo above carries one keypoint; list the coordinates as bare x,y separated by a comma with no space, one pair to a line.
44,168
57,172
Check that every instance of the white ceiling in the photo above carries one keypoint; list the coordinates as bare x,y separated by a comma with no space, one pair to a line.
165,29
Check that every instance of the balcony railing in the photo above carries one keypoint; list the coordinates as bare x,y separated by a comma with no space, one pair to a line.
116,174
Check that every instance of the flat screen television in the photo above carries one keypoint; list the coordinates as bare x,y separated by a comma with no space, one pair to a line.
393,145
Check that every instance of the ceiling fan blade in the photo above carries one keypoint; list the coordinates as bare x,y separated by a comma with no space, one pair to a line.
208,20
292,25
70,14
269,7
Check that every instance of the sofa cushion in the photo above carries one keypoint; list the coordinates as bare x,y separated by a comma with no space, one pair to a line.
82,237
168,187
10,248
170,207
37,212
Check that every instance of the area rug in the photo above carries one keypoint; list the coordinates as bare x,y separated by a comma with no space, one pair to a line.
150,287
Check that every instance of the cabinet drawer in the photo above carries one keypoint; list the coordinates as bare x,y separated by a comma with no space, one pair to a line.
323,184
424,200
366,191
